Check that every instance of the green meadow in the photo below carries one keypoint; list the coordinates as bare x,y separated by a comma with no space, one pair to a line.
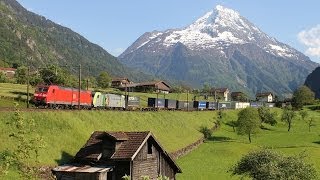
215,157
65,132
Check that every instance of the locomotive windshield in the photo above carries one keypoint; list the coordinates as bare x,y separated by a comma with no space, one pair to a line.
42,89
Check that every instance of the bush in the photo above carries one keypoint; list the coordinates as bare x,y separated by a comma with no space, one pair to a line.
266,164
207,133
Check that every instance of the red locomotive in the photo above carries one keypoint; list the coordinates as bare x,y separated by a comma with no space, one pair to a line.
54,96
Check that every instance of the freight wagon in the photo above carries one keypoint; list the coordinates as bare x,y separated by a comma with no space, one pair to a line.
133,103
211,105
240,105
199,105
256,104
224,105
156,103
170,104
185,105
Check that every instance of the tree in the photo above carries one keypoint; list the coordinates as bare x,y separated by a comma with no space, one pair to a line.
53,75
311,123
207,133
27,144
3,78
21,75
266,164
266,116
304,114
104,80
248,122
302,96
287,116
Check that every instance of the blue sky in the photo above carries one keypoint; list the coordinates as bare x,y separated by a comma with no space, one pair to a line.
116,24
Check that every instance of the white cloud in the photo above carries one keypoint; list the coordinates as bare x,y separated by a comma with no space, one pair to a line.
311,39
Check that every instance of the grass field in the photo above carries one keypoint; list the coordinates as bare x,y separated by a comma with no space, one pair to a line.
67,132
213,159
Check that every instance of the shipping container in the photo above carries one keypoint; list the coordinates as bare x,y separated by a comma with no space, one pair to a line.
133,102
271,105
211,105
156,103
185,105
114,101
240,105
170,104
256,104
224,105
200,105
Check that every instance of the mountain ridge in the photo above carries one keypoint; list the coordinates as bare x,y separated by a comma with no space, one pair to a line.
213,47
31,39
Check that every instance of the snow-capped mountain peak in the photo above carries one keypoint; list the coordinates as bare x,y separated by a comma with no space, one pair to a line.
217,29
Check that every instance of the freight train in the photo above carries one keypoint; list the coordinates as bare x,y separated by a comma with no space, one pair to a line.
58,97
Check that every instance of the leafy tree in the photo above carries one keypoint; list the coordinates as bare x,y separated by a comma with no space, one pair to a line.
3,78
248,122
266,164
21,75
266,116
27,144
35,79
302,96
311,123
304,114
104,80
287,116
53,75
207,133
206,88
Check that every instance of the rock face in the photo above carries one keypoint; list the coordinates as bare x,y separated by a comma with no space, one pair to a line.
30,39
223,49
313,82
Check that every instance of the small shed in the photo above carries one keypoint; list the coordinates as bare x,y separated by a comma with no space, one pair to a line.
135,154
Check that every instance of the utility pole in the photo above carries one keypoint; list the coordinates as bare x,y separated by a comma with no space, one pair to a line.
157,96
79,96
28,74
187,100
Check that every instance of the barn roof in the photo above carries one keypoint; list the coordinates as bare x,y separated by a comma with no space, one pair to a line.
264,94
132,142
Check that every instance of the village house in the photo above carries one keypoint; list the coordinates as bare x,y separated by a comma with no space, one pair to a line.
264,97
112,155
9,72
120,82
239,96
220,93
154,86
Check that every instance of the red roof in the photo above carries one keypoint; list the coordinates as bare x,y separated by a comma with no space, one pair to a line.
7,69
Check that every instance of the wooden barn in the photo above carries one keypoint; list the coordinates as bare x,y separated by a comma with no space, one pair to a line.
112,155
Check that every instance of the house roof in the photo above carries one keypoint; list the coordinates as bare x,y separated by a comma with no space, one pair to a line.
120,79
82,169
219,90
237,93
131,144
264,94
152,83
7,69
